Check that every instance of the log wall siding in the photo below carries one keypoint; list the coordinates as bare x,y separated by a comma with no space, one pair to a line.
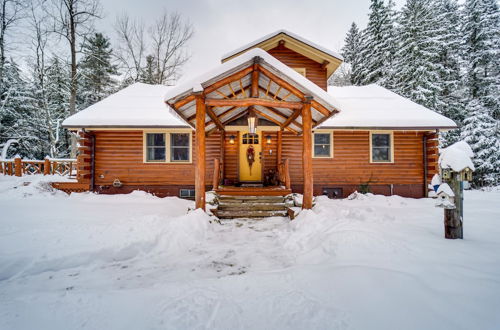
432,155
351,161
314,71
119,154
231,156
269,159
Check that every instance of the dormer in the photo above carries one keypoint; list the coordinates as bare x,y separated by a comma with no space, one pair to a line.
313,61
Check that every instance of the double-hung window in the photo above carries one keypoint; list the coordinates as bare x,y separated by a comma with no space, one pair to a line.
381,147
322,145
155,147
170,147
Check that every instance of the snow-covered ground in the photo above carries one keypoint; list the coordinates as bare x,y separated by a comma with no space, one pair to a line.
139,262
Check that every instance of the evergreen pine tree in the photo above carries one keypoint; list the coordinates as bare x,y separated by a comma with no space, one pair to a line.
18,112
449,101
481,30
377,45
416,74
480,131
57,93
351,50
97,70
148,73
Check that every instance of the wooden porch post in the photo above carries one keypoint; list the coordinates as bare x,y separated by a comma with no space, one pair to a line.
307,153
200,152
279,146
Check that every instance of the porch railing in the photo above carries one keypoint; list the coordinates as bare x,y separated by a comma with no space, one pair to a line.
48,166
284,173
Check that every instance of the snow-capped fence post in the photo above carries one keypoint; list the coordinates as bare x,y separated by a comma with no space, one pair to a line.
46,166
456,167
18,166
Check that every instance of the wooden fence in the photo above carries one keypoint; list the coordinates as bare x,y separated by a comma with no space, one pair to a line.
48,166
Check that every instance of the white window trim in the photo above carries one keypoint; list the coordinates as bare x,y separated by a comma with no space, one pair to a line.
167,146
323,131
391,136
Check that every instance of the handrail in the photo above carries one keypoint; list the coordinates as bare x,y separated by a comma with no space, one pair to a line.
18,166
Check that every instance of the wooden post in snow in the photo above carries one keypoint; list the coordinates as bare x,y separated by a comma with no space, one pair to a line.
453,218
200,152
18,166
307,154
46,166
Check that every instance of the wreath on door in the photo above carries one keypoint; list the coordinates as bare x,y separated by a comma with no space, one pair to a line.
250,157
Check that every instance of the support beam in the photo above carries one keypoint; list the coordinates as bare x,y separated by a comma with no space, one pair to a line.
225,81
292,117
279,146
273,120
214,118
200,152
252,101
254,92
307,154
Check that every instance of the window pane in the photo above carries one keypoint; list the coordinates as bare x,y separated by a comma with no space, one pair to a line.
155,154
155,139
179,139
381,140
321,138
322,150
179,154
381,154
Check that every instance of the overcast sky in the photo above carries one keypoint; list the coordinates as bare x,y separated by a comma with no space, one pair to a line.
223,25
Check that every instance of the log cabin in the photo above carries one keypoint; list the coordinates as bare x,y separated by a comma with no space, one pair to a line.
262,122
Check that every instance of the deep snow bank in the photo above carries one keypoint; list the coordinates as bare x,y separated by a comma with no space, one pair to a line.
85,229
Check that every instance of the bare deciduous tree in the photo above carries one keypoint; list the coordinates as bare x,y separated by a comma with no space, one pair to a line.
10,13
164,45
131,45
72,20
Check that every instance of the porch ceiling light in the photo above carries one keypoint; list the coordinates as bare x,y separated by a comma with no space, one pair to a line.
252,121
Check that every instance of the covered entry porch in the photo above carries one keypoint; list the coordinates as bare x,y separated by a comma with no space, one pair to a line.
251,88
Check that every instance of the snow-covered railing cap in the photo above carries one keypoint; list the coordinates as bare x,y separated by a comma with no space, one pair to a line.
457,157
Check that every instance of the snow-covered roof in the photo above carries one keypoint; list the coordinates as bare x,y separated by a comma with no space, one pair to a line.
285,32
138,105
374,106
457,157
241,62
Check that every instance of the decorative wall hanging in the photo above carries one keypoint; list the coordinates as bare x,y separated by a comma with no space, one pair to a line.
250,157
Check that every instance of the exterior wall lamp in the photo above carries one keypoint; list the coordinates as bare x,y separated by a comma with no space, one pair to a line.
252,121
268,139
231,139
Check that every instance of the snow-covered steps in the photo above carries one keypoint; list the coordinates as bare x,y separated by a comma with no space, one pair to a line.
232,207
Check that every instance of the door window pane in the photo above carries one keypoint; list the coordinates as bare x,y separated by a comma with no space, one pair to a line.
381,147
322,145
155,147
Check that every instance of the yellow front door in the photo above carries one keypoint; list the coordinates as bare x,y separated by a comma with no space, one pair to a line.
250,162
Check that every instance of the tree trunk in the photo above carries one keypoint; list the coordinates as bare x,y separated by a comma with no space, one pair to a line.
73,86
